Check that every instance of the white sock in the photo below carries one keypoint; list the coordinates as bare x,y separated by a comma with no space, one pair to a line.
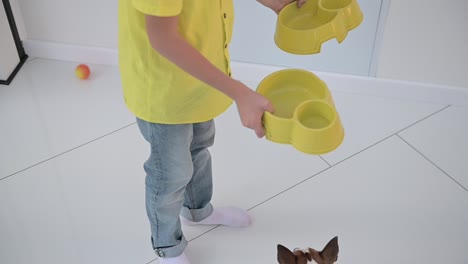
182,259
227,216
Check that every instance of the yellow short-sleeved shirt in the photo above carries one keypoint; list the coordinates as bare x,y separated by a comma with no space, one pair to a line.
155,89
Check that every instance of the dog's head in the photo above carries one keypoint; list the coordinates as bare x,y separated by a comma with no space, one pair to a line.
328,255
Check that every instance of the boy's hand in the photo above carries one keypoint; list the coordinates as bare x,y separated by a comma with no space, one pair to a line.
251,106
277,5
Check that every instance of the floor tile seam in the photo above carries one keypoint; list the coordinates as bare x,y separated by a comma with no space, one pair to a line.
288,188
324,170
324,160
293,186
320,172
355,154
424,118
67,151
215,227
396,133
151,261
251,208
433,163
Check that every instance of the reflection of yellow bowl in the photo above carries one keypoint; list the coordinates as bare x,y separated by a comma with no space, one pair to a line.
303,30
305,115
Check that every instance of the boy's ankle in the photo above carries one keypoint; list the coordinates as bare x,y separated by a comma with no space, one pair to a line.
181,259
227,216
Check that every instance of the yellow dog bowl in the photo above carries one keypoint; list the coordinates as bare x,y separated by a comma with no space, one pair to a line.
305,115
303,30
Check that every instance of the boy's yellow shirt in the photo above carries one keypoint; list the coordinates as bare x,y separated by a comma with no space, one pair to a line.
155,89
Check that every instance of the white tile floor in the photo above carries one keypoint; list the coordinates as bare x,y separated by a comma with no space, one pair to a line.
72,183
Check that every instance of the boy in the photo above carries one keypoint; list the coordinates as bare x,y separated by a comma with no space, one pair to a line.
174,63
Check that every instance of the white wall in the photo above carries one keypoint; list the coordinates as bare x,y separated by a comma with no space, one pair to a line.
422,41
426,40
94,23
18,19
84,22
254,32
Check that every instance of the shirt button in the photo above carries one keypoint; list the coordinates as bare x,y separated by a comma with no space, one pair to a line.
225,15
229,74
225,46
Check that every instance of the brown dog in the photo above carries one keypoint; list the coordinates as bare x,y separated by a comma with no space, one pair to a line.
328,255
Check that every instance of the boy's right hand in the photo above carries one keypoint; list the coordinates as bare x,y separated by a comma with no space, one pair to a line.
277,5
251,107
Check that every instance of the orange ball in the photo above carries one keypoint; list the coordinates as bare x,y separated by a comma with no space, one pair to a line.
82,71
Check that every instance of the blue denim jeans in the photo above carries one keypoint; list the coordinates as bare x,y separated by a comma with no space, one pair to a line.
178,180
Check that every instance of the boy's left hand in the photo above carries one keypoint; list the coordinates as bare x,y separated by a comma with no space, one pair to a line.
277,5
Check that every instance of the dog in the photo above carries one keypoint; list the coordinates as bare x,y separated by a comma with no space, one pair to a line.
328,255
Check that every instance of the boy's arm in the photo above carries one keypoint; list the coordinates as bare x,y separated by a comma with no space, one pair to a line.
277,5
165,38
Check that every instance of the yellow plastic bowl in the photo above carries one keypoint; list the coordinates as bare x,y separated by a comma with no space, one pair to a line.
305,115
303,30
317,128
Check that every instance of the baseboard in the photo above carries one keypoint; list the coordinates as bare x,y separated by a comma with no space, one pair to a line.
254,73
371,86
70,52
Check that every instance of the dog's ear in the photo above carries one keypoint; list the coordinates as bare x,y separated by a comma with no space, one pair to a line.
330,252
285,256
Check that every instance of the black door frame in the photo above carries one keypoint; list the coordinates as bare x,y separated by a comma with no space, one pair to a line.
19,45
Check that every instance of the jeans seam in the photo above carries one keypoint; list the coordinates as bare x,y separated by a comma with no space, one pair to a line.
189,191
158,162
188,188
